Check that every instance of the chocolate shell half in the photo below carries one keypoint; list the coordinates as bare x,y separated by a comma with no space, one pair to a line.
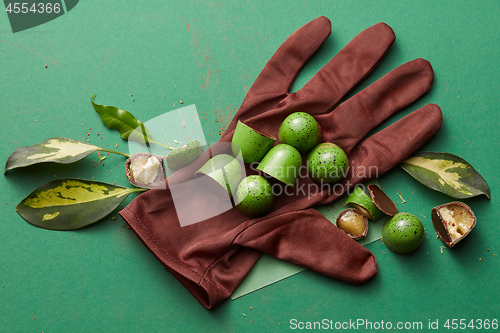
145,170
382,201
453,221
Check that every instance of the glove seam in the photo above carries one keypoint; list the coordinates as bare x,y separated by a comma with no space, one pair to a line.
202,277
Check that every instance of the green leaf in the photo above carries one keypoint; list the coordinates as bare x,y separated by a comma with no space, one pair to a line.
68,204
446,173
58,150
130,128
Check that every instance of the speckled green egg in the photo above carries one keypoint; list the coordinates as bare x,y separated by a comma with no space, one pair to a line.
300,130
184,155
327,163
250,143
225,170
282,162
403,233
254,196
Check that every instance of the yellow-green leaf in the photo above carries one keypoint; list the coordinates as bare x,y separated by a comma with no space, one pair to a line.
68,204
58,150
446,173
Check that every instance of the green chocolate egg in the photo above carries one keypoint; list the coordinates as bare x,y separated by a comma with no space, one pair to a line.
362,202
225,170
327,163
184,155
254,196
300,130
252,144
403,233
282,162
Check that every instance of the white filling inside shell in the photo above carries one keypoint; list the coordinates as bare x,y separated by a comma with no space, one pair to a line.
145,169
458,220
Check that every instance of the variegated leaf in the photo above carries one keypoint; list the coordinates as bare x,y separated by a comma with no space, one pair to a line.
59,150
446,173
68,204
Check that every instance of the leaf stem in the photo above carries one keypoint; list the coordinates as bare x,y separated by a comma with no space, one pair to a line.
115,152
127,155
168,147
132,190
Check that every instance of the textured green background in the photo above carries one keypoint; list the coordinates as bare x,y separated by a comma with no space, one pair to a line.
209,53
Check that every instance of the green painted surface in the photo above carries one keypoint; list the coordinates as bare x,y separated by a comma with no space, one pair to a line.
102,278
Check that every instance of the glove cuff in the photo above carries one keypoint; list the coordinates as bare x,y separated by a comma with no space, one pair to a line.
210,284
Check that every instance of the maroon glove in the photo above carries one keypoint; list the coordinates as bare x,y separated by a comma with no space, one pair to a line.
212,257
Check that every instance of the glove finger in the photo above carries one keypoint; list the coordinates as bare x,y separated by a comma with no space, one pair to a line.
285,64
308,239
384,150
354,62
352,120
349,67
274,82
394,144
356,117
